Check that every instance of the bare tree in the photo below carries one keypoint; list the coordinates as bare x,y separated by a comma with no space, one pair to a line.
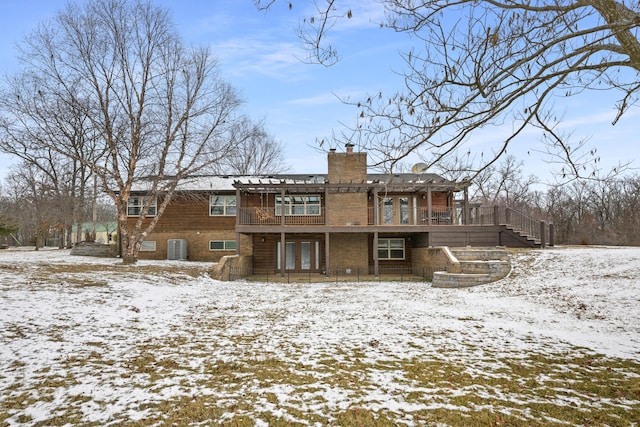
497,184
481,63
34,128
258,154
158,110
33,201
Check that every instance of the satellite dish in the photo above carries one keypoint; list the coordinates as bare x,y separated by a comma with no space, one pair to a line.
419,168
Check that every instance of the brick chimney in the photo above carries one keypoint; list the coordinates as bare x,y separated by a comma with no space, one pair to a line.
347,167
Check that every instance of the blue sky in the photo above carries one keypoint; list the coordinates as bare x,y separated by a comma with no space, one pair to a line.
259,54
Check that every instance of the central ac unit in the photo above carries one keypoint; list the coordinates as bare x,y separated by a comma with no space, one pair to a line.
176,249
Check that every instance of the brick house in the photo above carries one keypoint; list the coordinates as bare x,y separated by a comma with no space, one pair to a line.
346,219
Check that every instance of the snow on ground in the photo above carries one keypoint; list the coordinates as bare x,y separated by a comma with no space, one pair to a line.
88,333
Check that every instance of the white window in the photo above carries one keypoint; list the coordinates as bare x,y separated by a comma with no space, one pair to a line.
391,248
222,245
148,246
304,204
222,205
135,204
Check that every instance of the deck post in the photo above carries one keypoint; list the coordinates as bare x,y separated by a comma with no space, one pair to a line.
465,208
496,215
282,211
543,229
375,206
552,234
376,267
283,252
327,207
429,206
326,254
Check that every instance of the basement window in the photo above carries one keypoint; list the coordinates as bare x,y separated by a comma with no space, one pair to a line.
222,245
391,248
148,246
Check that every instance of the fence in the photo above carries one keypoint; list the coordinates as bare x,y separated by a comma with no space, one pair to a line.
355,274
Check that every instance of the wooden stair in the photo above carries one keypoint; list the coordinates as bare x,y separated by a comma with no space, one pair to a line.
521,237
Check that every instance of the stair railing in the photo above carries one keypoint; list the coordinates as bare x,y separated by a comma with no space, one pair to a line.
513,218
520,221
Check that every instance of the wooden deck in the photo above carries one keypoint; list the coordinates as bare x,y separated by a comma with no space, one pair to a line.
480,226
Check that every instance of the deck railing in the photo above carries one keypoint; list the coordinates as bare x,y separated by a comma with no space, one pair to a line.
273,216
484,215
420,216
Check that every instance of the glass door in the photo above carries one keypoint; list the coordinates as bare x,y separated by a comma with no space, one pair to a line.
300,255
395,210
305,255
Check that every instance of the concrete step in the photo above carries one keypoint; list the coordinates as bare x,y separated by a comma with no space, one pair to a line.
442,279
480,254
495,268
473,266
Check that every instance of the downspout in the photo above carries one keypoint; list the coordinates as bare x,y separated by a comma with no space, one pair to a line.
376,264
327,208
283,244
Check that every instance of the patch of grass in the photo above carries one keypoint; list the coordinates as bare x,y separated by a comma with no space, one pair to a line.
356,417
363,383
538,390
83,275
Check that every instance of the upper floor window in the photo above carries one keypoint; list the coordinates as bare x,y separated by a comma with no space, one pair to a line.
135,204
304,204
222,205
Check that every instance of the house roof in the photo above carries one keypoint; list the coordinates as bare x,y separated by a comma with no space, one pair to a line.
387,182
101,227
316,182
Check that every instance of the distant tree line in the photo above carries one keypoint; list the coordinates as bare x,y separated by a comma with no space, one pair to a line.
41,207
604,211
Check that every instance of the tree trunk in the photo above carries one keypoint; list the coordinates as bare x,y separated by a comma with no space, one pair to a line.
129,259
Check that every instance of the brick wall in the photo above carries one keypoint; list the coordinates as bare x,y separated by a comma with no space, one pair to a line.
430,258
347,208
349,250
346,167
197,244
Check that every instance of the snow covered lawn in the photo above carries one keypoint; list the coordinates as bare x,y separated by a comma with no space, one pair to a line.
86,341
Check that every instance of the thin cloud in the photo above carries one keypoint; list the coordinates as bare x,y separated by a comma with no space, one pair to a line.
252,55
